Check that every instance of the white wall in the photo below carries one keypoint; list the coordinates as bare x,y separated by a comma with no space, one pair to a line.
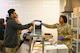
29,10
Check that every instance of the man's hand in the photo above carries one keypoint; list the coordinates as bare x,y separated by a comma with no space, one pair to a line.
16,19
32,23
30,29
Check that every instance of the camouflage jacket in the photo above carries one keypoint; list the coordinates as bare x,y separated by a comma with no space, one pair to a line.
63,30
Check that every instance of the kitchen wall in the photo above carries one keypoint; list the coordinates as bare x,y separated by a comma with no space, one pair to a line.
29,10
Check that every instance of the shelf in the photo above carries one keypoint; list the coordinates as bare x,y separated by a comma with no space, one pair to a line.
76,39
36,40
37,47
75,25
75,28
74,45
33,35
76,17
69,18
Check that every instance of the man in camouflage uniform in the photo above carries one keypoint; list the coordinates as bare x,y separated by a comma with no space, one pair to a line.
64,32
2,29
1,46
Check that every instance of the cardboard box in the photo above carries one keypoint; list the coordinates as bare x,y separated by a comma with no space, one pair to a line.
62,48
75,36
76,10
50,49
56,49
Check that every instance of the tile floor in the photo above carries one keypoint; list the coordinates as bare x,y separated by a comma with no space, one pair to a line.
24,48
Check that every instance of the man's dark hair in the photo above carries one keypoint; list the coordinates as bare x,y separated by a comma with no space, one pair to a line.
64,18
10,11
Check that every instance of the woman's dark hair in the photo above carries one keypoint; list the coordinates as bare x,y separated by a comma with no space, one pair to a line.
10,11
1,20
64,18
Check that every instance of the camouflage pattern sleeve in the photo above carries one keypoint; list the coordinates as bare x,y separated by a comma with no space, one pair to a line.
50,26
